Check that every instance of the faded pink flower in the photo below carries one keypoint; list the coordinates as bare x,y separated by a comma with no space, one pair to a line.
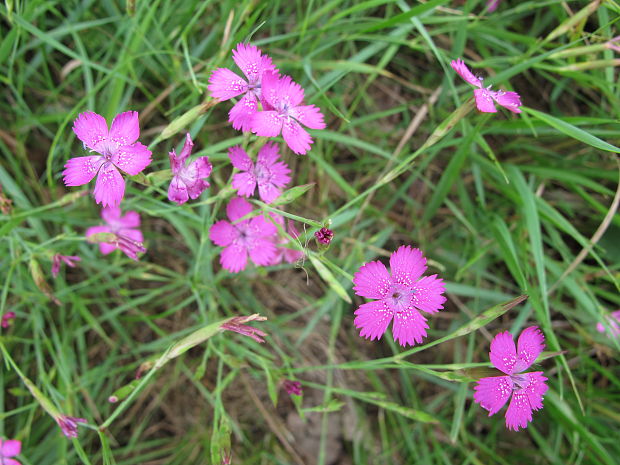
401,295
485,96
124,230
284,113
224,84
612,323
527,389
292,387
269,173
284,253
117,149
189,180
7,319
611,44
69,425
9,448
241,238
67,259
237,325
492,5
324,235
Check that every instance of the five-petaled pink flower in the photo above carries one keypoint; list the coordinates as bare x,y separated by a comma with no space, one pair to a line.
69,425
58,259
9,448
241,238
527,389
485,96
189,179
284,113
126,235
613,321
224,84
116,149
400,296
269,173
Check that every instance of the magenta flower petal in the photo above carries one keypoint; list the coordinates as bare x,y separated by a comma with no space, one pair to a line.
252,62
519,412
234,258
484,101
613,321
10,448
492,393
461,68
110,186
407,264
373,319
372,281
132,159
224,84
222,233
81,170
177,191
90,128
309,116
240,159
529,346
428,294
509,100
409,327
262,252
503,352
296,137
237,208
492,5
125,128
242,113
266,123
127,237
244,183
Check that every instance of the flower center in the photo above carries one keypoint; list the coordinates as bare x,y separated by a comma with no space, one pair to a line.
520,381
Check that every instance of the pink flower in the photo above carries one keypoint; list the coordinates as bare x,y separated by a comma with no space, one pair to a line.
241,238
9,448
283,113
69,425
400,295
292,387
492,5
7,319
124,230
189,179
224,84
116,150
237,325
67,259
324,235
526,389
269,173
485,96
284,253
612,323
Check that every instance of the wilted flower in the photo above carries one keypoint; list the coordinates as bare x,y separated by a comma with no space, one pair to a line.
69,425
292,387
67,259
189,180
237,324
527,389
612,323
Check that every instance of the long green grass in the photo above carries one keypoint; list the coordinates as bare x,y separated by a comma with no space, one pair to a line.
502,205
